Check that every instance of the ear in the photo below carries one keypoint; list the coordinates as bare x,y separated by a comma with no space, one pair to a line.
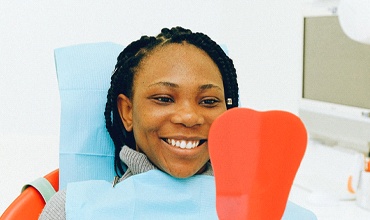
124,106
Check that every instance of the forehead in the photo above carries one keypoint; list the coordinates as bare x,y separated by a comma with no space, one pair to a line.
179,62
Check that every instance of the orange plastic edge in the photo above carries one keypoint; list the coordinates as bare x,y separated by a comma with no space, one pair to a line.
29,204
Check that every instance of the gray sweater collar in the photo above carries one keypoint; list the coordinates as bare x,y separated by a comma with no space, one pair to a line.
139,163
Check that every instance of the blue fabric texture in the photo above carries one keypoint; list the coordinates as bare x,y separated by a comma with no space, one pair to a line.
86,150
150,195
153,195
296,212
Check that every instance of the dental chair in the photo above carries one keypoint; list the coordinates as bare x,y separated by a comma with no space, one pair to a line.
29,204
86,150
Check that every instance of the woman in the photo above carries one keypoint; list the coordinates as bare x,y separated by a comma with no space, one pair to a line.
165,93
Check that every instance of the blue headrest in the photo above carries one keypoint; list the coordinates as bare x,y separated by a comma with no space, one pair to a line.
86,149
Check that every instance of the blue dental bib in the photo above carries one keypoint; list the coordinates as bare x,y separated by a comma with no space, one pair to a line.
150,195
153,195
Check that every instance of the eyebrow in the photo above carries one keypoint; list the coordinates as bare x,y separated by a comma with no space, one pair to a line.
166,84
174,85
209,86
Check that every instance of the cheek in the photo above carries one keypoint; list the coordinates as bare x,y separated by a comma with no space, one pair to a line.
146,110
145,121
216,114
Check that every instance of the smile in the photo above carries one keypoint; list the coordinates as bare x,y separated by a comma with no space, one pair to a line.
184,144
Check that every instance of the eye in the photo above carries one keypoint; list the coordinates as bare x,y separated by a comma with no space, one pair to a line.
210,102
163,99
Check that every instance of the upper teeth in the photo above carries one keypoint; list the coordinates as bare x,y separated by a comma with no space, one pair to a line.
183,143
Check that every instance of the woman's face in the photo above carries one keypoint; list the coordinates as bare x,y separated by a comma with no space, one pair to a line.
177,93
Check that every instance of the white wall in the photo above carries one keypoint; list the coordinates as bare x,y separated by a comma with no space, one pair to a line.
263,37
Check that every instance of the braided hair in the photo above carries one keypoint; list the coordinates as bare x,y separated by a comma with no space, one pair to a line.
128,62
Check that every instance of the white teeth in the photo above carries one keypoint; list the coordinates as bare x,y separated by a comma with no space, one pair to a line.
189,145
183,144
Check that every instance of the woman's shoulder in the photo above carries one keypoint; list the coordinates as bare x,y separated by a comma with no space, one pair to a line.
55,207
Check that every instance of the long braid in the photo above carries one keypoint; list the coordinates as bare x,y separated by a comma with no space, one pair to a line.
121,83
127,63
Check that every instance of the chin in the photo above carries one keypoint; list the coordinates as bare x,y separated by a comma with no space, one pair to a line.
182,175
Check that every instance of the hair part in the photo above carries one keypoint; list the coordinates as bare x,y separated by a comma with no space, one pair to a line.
128,63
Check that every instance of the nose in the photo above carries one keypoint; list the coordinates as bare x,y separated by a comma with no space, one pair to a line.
188,116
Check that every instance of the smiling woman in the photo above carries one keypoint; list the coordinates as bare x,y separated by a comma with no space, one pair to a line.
183,89
179,79
165,93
